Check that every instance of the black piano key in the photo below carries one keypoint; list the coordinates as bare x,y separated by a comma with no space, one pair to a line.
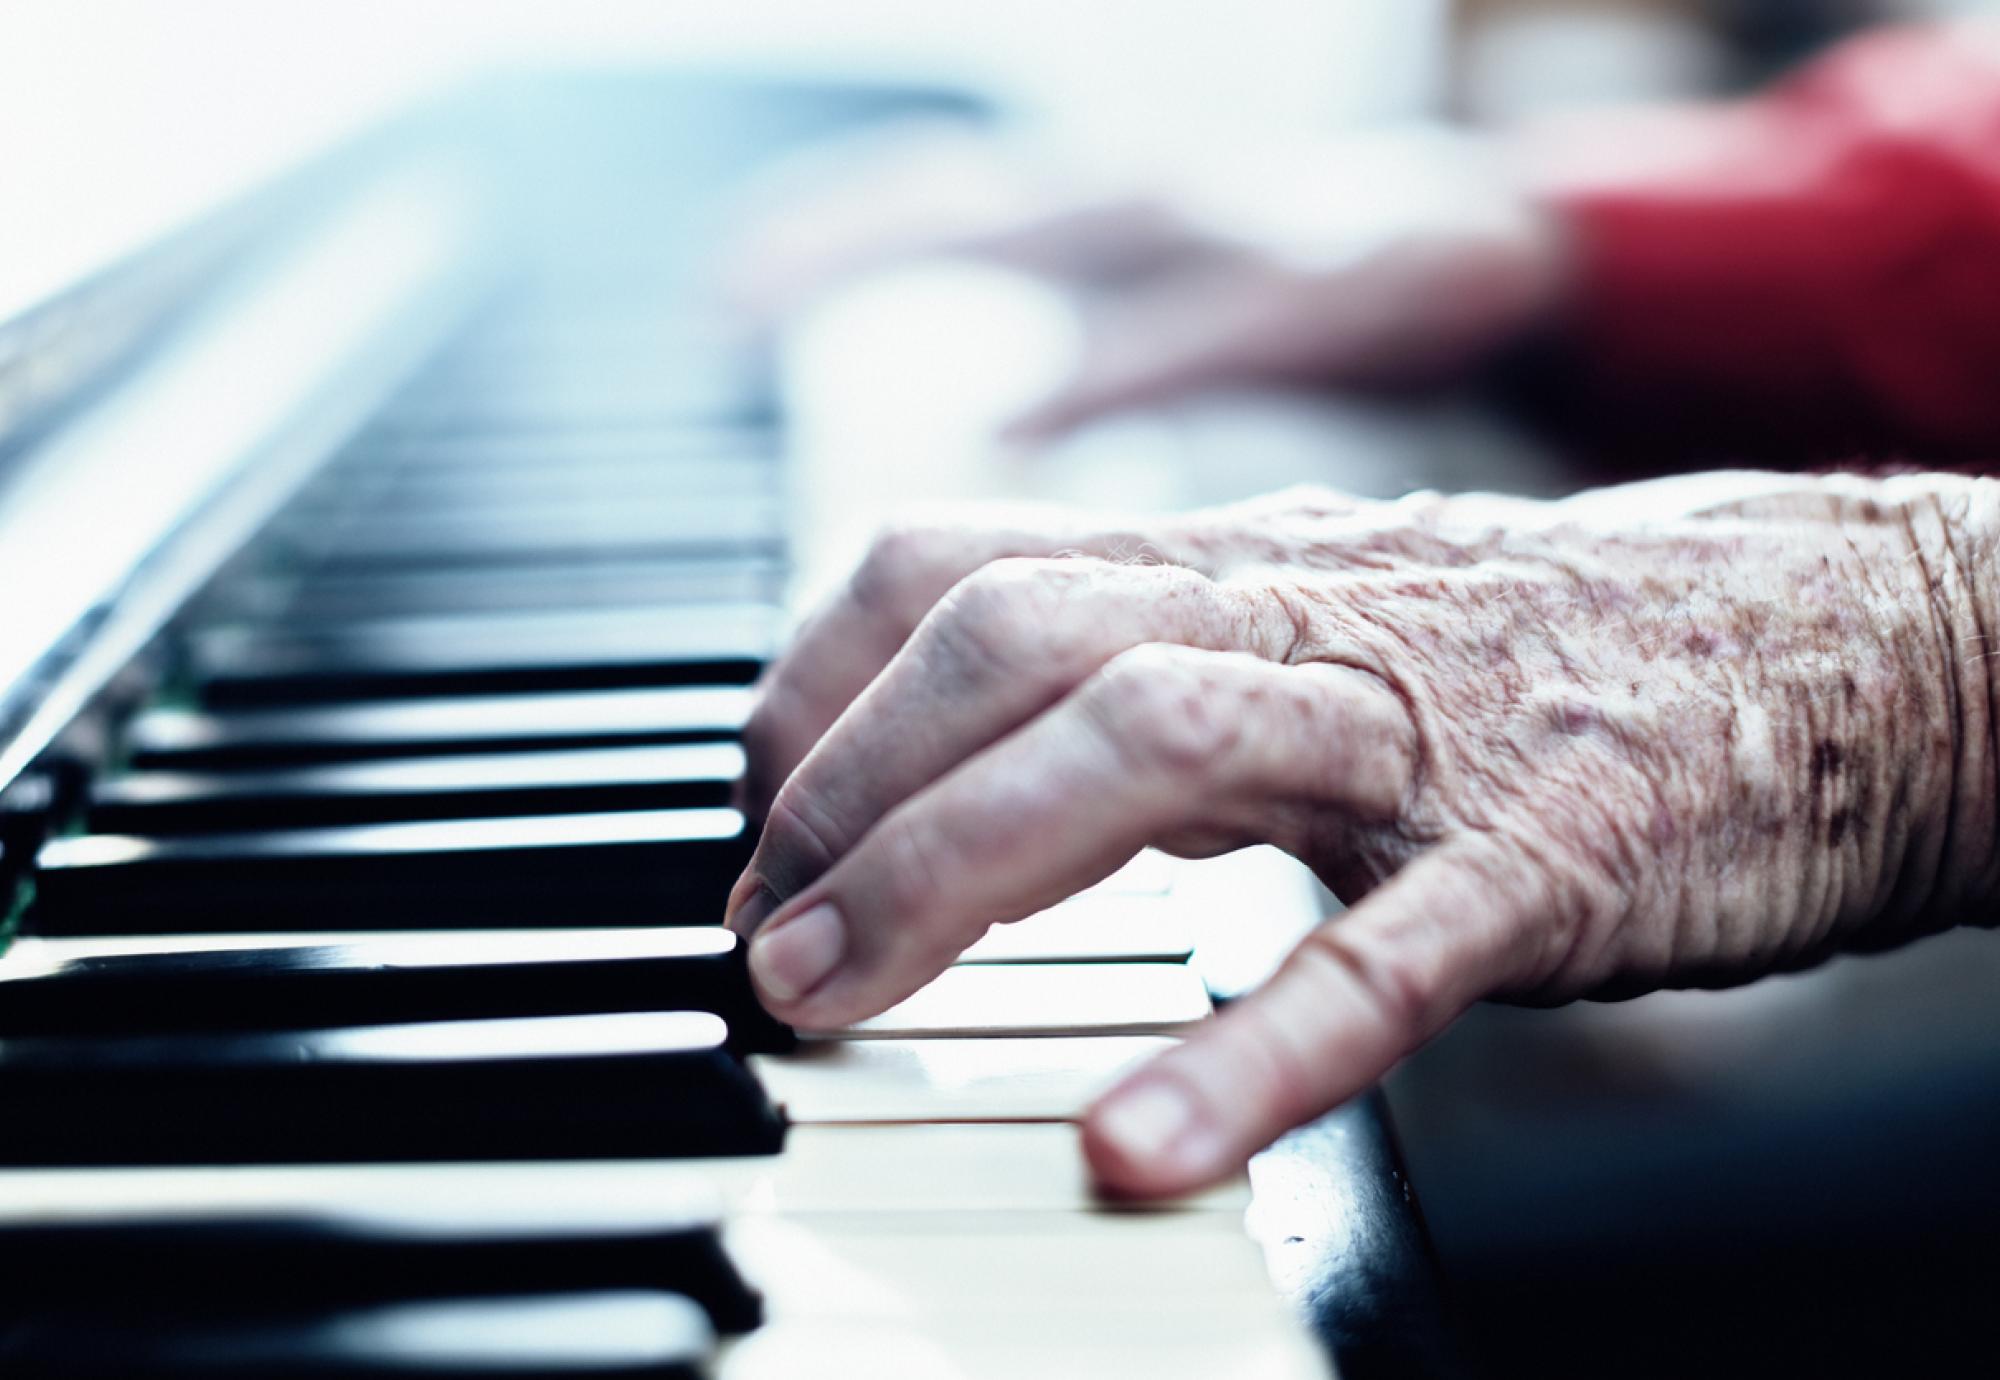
463,787
388,980
186,740
13,872
175,1265
483,474
405,540
579,586
626,1086
685,391
627,1335
709,644
385,509
637,867
30,805
694,453
690,391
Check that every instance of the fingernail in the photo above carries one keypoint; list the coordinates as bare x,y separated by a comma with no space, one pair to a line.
754,912
791,959
1154,1122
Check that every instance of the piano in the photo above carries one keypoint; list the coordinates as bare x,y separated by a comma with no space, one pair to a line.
388,561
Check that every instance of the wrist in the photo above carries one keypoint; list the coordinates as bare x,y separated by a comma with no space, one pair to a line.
1954,532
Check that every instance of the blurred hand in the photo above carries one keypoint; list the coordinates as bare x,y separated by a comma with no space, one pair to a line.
1364,262
1670,734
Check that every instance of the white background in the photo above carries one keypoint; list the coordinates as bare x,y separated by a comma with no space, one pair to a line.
121,118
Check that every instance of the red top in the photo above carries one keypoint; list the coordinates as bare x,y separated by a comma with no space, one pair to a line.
1817,267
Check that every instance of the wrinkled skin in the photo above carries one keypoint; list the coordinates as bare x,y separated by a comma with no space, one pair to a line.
1672,734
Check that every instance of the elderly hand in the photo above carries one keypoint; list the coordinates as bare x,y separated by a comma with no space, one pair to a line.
1668,734
1363,261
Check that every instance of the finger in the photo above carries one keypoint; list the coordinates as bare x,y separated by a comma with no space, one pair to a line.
842,647
858,206
1165,738
1107,237
1254,320
907,570
1359,993
1192,330
1007,642
852,204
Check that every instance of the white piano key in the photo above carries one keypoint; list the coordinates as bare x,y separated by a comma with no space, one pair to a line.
881,1081
839,1169
1042,999
1092,927
1130,1342
550,714
1247,910
1150,873
888,1265
1013,1167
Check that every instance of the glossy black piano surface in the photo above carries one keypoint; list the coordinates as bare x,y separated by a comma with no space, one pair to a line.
626,1085
187,740
627,867
387,979
289,1261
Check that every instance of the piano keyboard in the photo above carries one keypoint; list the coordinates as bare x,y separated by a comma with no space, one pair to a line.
370,1014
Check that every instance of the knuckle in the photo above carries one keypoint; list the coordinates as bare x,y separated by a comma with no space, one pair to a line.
1272,1064
800,840
760,736
771,747
1309,501
908,565
1013,615
765,730
1396,980
1290,621
917,867
1272,521
1059,619
1419,504
1164,710
919,870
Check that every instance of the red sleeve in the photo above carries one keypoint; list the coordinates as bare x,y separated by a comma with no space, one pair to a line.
1817,267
